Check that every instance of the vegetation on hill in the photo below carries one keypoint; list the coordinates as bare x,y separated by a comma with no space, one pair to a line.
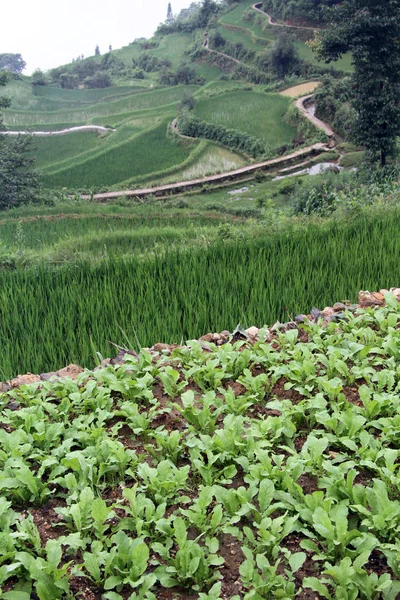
370,32
300,11
18,183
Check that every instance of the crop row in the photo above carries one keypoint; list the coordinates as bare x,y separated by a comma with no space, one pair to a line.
156,472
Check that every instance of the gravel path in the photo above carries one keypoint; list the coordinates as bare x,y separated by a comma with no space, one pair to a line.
96,128
236,173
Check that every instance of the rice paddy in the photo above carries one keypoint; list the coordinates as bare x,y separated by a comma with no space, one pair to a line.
301,90
168,278
255,113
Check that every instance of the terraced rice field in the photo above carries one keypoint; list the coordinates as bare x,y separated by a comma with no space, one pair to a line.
255,113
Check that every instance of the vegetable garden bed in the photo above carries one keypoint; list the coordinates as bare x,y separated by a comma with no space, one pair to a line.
253,471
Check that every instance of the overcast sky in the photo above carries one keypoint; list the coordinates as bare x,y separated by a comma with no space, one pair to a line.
49,33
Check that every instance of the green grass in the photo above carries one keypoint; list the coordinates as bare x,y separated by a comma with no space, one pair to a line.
146,153
173,47
352,159
214,159
305,52
142,101
50,316
257,114
50,150
244,36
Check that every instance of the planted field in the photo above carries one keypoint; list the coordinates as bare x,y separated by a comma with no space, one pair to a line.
129,104
50,150
52,316
255,113
144,154
214,159
248,472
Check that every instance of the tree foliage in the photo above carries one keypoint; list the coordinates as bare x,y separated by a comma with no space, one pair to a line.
12,62
369,29
18,183
283,58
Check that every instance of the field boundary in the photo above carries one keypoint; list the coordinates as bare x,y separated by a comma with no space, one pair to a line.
92,128
182,186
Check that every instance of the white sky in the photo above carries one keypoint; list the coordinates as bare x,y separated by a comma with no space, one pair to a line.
49,33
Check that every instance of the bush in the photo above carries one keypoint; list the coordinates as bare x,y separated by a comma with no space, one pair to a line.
100,80
194,127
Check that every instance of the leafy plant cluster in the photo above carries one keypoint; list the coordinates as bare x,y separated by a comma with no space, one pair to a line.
148,469
194,127
349,192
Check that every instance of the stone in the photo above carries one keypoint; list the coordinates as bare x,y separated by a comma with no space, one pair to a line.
71,371
339,307
161,347
383,291
300,318
225,334
24,380
366,299
216,338
396,292
208,337
48,376
4,387
328,311
253,332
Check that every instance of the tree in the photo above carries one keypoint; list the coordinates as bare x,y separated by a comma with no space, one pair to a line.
38,78
369,29
170,16
12,62
207,9
97,50
18,183
283,58
101,79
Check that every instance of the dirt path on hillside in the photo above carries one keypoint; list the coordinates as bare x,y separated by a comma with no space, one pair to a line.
95,128
258,8
206,46
301,104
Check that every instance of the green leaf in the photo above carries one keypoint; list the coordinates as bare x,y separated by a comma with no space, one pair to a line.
112,582
297,560
265,494
317,586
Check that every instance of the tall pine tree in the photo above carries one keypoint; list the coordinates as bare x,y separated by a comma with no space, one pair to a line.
170,16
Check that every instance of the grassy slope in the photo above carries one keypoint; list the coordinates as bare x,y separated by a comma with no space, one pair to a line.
143,154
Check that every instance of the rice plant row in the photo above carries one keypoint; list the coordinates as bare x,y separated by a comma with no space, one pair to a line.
52,316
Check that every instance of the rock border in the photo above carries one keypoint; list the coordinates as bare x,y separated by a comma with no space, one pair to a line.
335,313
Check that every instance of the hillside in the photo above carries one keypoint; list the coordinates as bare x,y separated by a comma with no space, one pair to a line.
150,80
